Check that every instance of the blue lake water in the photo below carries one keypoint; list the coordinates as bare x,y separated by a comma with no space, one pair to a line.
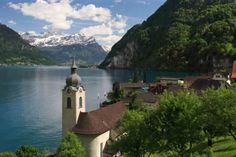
30,101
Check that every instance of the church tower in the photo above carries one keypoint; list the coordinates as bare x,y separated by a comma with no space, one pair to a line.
73,100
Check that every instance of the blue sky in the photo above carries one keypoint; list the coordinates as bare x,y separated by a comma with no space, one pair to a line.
106,20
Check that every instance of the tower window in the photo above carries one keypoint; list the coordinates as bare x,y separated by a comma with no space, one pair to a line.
69,103
80,102
101,149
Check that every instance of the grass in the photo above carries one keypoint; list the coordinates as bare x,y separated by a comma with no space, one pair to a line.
222,147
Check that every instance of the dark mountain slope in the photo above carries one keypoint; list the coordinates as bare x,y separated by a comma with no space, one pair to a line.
15,50
180,35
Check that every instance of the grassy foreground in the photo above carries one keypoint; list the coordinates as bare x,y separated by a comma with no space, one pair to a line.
223,147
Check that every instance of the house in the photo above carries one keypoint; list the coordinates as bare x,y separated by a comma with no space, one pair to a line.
94,128
157,88
201,85
189,80
129,87
169,80
233,75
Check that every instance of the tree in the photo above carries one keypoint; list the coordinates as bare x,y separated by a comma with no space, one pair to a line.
71,147
133,143
145,77
115,96
27,151
218,113
175,124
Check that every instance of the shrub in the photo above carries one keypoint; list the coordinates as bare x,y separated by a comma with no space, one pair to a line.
27,151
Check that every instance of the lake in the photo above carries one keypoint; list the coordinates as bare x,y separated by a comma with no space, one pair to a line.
30,101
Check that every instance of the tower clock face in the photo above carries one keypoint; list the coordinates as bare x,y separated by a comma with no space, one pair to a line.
69,91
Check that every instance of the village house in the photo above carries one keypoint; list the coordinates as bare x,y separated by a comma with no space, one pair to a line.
94,128
233,74
130,87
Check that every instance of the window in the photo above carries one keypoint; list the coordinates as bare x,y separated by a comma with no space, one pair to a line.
101,149
68,102
80,102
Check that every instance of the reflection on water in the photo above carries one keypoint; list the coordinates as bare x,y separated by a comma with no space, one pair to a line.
30,101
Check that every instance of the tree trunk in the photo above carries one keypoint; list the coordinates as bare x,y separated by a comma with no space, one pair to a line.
232,134
210,143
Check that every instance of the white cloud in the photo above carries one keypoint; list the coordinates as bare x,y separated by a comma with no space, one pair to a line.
97,30
11,22
142,2
108,40
117,24
59,13
117,1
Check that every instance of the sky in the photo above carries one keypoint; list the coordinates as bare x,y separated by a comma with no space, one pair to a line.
106,20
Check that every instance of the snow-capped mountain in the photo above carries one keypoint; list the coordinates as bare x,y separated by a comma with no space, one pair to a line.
51,39
61,47
106,48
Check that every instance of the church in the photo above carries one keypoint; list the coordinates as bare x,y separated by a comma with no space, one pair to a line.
94,128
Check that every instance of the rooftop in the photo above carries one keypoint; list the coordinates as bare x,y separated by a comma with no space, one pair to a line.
99,121
234,70
203,84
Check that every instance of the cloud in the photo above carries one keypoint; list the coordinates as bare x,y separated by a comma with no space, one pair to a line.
117,1
97,30
62,14
108,40
59,13
116,25
11,22
142,2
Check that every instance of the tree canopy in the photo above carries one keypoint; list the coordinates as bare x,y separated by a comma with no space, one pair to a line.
71,147
181,35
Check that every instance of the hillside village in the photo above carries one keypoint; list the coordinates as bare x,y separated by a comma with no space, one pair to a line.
97,129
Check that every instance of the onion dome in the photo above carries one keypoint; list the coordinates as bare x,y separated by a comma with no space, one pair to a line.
73,79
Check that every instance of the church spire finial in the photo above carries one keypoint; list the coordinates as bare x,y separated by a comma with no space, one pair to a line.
73,66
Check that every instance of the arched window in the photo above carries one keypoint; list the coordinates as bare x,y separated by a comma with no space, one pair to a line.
68,102
80,102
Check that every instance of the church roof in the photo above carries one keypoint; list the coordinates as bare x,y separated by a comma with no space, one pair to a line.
99,121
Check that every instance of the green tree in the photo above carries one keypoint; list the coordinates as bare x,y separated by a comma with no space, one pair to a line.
175,124
218,112
115,96
133,143
27,151
71,147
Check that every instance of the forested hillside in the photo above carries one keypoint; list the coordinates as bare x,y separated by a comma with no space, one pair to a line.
180,35
14,50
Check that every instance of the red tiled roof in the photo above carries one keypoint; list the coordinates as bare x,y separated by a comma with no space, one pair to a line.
203,84
191,79
234,70
99,121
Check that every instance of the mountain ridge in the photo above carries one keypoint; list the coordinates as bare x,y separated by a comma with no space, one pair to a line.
62,47
180,35
14,50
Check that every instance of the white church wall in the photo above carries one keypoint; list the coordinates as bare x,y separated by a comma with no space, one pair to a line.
92,143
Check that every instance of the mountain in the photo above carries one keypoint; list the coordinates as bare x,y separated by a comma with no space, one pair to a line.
61,47
180,35
15,50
